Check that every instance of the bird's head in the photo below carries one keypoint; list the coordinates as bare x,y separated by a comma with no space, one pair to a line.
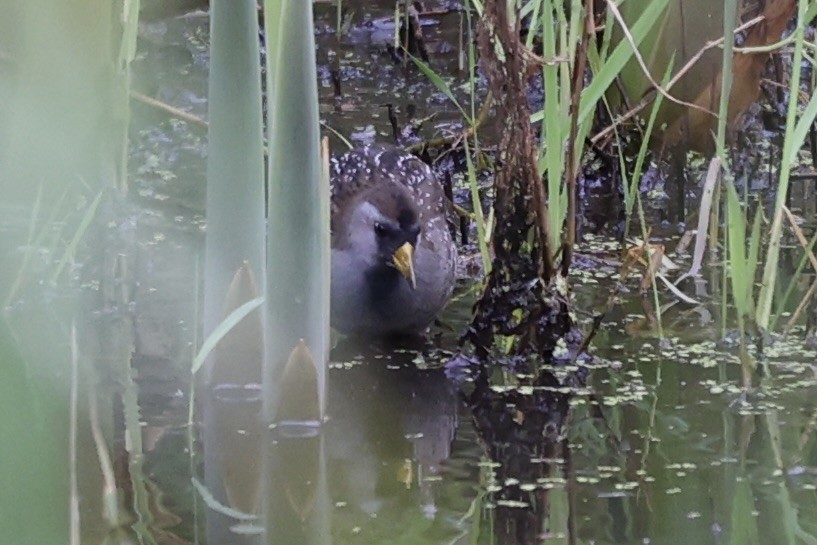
384,226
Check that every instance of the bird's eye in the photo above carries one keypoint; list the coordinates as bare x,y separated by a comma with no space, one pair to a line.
379,229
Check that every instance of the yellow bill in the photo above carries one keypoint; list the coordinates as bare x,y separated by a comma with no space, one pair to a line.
403,261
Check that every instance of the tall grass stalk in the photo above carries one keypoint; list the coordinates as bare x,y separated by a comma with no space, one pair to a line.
632,194
611,66
127,52
483,226
79,234
73,410
633,197
532,9
729,15
741,262
21,273
552,149
557,84
742,266
472,120
235,168
603,49
338,17
297,304
790,147
476,203
235,213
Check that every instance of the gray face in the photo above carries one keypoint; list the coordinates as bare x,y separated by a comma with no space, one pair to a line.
377,227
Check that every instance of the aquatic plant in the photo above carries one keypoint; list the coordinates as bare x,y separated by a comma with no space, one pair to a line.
544,228
794,136
298,216
235,168
745,254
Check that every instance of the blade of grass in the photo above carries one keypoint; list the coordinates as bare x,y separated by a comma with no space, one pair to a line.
801,238
552,129
802,128
710,183
221,329
736,246
801,307
72,440
441,85
769,280
729,15
71,249
32,224
217,506
476,203
645,142
753,259
614,64
532,8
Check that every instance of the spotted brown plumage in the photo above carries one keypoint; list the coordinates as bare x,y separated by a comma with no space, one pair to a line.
393,257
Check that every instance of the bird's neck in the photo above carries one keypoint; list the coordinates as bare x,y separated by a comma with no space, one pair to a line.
381,282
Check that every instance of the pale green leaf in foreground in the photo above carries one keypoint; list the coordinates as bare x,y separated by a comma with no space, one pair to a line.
222,329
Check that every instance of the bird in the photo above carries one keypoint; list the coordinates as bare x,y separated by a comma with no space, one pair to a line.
393,257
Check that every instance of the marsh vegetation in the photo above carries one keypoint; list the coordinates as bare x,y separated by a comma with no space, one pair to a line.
629,354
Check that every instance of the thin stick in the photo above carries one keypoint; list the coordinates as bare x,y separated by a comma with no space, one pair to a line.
109,498
686,68
800,308
807,297
801,238
172,110
617,14
72,440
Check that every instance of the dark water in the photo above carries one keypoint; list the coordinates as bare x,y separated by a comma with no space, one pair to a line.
661,446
